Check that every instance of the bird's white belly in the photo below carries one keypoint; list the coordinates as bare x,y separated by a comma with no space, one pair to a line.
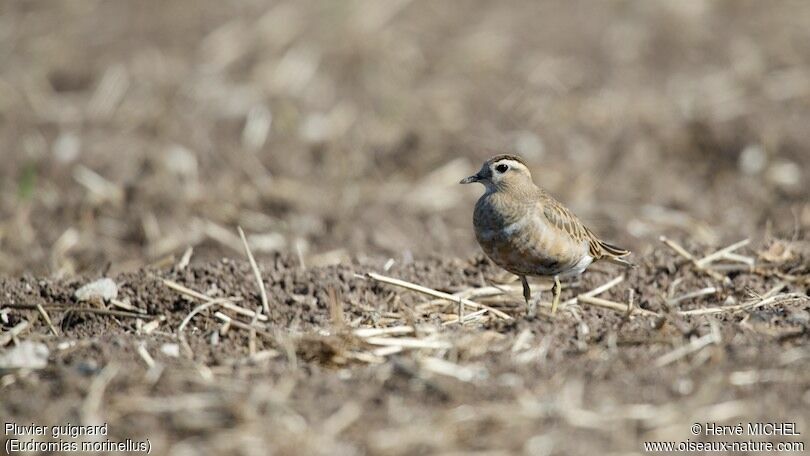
580,267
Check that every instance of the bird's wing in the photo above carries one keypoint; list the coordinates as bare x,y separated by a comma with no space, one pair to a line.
564,220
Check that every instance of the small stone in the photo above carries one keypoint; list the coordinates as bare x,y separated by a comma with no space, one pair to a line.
26,355
171,350
181,162
66,148
799,317
752,159
266,243
785,173
104,289
88,367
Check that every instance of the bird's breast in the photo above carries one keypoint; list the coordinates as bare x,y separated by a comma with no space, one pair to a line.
521,241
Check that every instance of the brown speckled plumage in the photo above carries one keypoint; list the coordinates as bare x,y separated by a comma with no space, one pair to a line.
526,231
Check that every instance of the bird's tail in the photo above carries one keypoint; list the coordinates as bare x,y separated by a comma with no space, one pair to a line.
612,250
615,254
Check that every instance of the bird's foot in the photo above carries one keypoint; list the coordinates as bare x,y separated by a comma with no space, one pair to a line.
531,308
556,290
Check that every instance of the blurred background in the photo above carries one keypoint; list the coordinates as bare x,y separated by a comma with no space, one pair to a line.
130,131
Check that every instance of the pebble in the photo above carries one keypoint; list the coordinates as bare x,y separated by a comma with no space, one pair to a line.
752,159
171,350
785,173
26,355
799,317
104,289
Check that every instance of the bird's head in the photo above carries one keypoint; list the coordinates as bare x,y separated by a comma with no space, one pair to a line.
502,172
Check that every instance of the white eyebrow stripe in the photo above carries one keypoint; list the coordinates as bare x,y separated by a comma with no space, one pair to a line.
512,163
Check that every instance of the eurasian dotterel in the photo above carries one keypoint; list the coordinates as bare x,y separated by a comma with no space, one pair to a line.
526,231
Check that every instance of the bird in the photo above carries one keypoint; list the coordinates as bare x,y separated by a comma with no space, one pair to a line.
527,232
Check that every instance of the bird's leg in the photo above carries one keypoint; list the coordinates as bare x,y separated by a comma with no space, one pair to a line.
556,290
527,295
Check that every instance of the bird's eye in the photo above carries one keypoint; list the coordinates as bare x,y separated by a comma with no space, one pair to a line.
501,168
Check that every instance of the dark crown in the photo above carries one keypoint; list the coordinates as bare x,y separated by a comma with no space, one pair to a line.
500,157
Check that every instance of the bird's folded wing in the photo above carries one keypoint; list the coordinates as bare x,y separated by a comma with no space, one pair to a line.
564,220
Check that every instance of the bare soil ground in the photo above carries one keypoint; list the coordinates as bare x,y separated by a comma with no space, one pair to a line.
135,134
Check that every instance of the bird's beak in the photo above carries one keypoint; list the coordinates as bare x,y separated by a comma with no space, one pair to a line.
471,179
